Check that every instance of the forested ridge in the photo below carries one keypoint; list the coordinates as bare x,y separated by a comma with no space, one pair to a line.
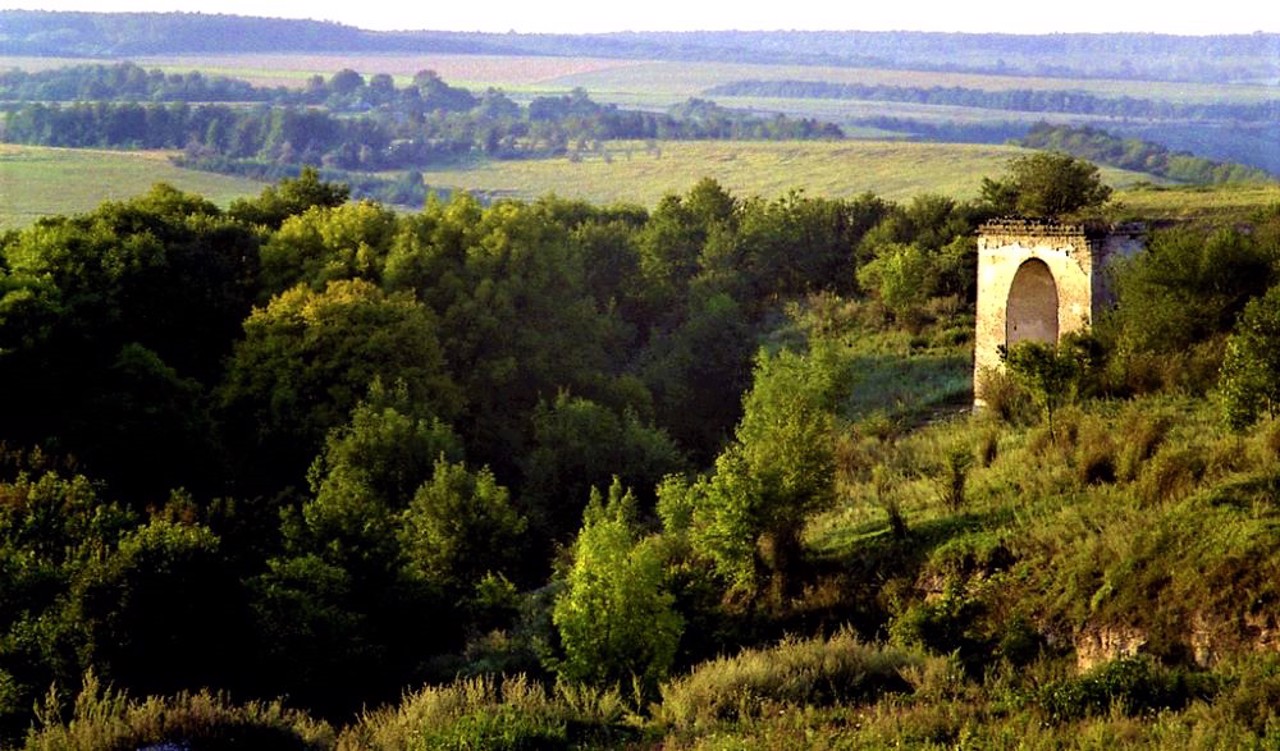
1120,55
582,476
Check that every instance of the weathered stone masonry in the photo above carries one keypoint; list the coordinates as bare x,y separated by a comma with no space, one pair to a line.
1040,280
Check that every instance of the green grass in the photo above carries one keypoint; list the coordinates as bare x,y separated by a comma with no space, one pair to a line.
1219,204
37,181
634,173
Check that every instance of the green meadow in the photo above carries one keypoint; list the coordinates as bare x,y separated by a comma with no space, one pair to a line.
642,173
36,181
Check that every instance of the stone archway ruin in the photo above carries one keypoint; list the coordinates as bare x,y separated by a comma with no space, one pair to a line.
1031,310
1039,280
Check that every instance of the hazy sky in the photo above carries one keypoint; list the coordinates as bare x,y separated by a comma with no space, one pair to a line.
580,16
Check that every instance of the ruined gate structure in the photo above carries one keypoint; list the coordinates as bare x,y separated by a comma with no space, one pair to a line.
1038,280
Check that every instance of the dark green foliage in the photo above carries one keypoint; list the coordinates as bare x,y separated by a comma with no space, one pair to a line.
1187,287
162,612
579,445
1046,185
1141,156
97,316
308,356
460,379
948,624
1177,301
1132,685
291,197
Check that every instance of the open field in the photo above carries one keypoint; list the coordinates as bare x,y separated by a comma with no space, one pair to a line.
36,181
636,174
1221,204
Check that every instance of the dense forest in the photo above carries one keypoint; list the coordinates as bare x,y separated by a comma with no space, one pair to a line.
583,476
309,447
1251,57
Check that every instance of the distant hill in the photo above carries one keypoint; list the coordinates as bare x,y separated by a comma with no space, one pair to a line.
1253,57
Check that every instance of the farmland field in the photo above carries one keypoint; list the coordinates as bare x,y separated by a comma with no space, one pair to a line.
36,182
635,173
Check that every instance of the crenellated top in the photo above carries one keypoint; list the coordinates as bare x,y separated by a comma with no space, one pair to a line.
1048,228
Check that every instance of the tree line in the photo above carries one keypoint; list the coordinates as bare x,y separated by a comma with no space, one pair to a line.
1062,101
1130,56
1098,146
350,123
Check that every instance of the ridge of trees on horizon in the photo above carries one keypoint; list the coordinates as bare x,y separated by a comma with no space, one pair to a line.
1132,56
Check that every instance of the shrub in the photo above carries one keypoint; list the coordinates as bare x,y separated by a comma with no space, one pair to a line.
954,476
1170,475
1095,453
1004,398
988,447
1133,686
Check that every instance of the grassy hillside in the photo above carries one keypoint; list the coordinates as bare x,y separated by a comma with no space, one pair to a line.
641,174
36,182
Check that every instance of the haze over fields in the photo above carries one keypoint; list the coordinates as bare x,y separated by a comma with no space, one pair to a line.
586,16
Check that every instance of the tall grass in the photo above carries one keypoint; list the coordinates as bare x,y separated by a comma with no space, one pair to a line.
795,674
104,719
492,713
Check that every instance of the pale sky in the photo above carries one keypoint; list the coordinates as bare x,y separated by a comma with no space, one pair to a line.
586,16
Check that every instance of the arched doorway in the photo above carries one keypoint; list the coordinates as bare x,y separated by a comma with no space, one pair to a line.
1032,310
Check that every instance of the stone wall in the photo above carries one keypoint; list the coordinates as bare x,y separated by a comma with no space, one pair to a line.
1040,280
